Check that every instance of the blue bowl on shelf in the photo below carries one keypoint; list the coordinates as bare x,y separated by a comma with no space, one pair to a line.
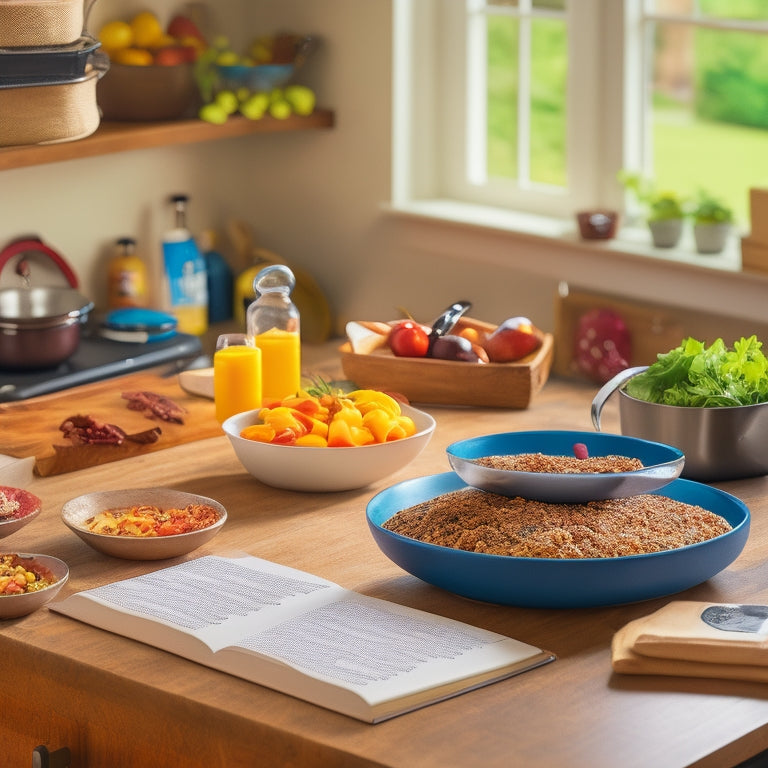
257,77
558,583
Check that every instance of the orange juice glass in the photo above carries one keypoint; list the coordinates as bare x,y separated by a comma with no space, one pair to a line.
237,385
280,363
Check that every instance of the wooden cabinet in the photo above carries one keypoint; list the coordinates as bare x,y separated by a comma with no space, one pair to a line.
121,137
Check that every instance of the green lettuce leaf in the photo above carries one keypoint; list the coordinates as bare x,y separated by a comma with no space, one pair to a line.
696,375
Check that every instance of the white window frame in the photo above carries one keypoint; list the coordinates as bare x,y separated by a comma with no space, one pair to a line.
429,110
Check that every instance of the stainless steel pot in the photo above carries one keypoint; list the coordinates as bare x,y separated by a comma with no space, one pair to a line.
718,443
40,327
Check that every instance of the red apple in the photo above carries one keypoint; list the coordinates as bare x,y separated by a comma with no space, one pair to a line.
182,26
173,55
515,338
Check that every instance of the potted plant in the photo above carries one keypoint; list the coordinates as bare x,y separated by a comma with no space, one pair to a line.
665,209
712,223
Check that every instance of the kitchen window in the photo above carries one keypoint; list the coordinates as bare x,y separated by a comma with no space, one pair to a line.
532,107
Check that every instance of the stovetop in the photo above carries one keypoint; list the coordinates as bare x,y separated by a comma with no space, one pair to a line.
95,359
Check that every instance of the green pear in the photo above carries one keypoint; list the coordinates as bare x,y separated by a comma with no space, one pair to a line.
301,99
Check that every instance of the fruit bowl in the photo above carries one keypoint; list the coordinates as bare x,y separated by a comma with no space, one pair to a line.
303,468
148,93
257,77
448,382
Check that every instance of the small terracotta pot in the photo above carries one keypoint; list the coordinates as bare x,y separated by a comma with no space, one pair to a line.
598,224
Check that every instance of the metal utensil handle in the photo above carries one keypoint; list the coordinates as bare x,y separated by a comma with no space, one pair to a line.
448,319
609,388
35,245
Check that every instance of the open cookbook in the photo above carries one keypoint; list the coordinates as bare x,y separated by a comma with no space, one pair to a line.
302,635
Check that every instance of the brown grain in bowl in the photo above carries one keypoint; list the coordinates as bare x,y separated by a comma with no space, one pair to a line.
541,462
488,523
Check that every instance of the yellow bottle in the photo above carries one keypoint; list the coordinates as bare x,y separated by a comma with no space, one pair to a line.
236,377
281,363
127,277
273,324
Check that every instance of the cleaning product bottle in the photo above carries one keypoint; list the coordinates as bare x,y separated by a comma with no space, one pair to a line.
272,321
185,272
220,280
126,277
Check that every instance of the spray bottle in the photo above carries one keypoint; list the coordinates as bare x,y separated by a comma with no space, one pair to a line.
185,272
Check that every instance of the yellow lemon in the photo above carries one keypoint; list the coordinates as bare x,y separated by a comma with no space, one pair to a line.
134,57
115,35
147,29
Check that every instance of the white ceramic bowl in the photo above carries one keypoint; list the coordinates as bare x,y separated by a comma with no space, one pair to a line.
76,511
302,468
13,606
29,509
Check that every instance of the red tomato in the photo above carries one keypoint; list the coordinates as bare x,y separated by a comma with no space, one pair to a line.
408,339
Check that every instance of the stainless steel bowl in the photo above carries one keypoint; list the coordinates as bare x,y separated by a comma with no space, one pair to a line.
718,443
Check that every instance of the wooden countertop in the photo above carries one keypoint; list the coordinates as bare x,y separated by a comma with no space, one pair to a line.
117,702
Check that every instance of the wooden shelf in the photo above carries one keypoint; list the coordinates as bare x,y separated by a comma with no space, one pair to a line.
123,137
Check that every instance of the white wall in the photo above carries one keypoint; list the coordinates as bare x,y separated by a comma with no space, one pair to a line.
315,198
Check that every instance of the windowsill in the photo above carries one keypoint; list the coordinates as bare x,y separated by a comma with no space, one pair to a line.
630,241
628,265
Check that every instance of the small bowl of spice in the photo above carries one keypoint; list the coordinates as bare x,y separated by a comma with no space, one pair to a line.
29,581
144,523
564,466
17,508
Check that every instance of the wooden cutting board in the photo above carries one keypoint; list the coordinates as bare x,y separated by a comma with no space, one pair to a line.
31,427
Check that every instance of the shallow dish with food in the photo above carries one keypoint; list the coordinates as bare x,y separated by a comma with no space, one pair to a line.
22,604
303,468
723,443
558,583
661,465
76,512
17,508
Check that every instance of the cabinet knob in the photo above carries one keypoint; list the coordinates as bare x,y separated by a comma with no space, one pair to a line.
43,758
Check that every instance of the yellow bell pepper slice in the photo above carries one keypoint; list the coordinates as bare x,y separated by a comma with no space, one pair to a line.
263,433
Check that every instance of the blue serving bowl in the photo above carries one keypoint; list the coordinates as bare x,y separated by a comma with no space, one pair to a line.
661,465
556,583
256,77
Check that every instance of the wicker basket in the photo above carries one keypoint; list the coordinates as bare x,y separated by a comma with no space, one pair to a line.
47,114
35,23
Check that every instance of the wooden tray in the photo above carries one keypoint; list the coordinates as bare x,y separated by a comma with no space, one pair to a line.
445,382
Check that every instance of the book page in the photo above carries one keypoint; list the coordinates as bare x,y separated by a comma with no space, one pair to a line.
214,599
381,649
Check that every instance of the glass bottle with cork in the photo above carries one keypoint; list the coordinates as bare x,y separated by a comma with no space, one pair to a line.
272,321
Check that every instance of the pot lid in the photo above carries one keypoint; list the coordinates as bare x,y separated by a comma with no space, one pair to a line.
30,304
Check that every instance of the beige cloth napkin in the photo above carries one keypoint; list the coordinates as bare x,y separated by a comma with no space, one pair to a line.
692,639
16,473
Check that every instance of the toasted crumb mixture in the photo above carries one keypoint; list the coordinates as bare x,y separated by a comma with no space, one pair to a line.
489,523
539,462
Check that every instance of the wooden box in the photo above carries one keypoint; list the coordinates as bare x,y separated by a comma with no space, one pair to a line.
754,254
758,215
447,382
